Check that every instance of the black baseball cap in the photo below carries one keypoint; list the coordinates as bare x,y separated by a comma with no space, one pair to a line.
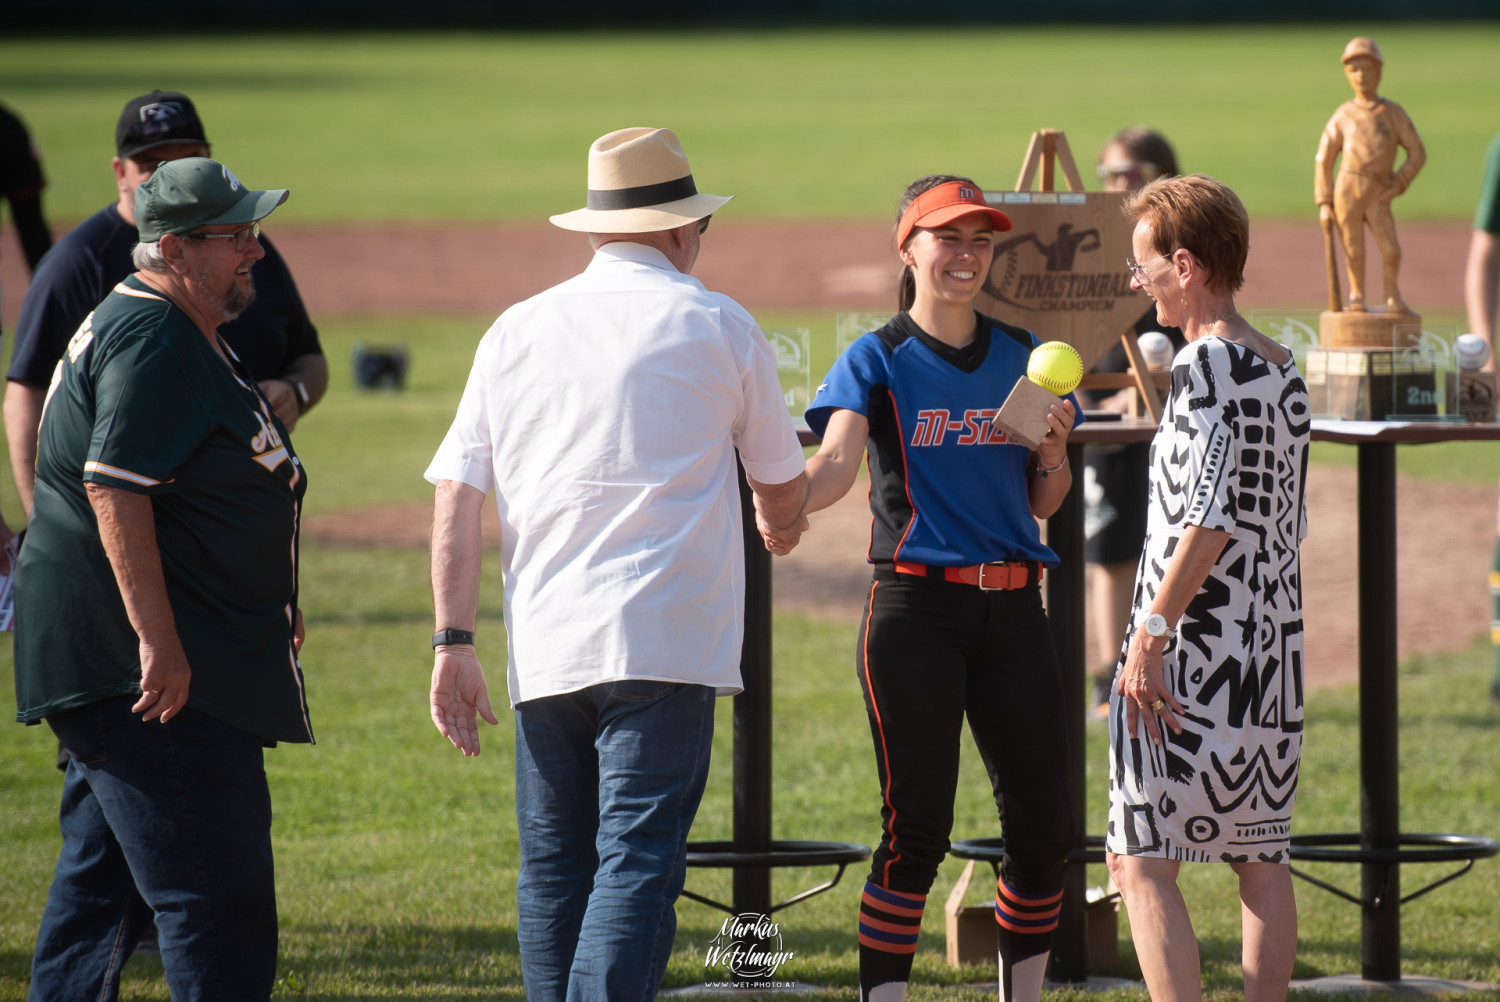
156,119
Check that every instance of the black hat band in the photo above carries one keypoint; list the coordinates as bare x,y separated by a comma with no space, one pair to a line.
643,195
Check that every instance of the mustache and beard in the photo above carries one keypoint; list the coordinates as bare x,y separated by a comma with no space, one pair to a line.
230,302
236,302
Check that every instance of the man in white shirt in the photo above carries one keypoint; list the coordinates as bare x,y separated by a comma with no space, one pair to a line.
606,413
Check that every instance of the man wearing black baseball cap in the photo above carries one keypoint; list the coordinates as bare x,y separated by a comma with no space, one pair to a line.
274,337
160,118
167,501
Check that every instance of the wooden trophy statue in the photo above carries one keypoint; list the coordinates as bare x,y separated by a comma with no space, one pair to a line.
1364,135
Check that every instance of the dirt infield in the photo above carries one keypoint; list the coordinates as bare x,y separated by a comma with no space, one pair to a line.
1445,532
480,269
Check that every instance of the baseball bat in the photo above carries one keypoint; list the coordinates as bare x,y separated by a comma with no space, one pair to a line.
1335,294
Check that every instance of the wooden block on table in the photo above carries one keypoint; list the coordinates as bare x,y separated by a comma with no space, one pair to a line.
1023,416
1377,328
1472,394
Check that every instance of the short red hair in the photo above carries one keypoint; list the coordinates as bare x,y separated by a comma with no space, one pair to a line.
1201,215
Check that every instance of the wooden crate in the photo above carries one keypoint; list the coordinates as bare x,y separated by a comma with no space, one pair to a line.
971,930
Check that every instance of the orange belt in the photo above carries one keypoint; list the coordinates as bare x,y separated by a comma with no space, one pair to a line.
1007,576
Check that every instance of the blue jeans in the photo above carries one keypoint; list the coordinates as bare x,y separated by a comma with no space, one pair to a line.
171,820
607,782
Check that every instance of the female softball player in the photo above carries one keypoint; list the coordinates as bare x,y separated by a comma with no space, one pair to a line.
953,624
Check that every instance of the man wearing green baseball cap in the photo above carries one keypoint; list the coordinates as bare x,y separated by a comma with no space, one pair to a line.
197,199
161,560
275,337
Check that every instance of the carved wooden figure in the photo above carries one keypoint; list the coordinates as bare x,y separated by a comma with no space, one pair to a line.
1367,132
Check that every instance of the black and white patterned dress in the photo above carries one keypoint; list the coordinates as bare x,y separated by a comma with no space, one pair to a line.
1231,454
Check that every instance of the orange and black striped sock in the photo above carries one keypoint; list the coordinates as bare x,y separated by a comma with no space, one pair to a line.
1026,928
889,922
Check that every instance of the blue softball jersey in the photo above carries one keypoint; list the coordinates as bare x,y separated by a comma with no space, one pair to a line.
946,488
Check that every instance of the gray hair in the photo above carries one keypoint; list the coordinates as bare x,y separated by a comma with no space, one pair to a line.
148,257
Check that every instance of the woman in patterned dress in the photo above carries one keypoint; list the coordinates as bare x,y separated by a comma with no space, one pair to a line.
1206,718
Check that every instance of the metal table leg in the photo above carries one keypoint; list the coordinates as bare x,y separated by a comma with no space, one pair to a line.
752,722
1065,611
1379,773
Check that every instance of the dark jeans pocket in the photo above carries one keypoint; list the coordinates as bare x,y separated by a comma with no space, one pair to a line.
640,690
81,731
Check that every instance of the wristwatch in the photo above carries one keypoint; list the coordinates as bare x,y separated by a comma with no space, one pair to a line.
442,637
299,388
1156,626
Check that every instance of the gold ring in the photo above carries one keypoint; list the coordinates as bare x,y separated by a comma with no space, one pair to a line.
1157,706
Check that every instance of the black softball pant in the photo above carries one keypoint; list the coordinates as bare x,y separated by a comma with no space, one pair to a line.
930,653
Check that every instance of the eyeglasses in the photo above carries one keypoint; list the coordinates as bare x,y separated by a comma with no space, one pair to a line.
241,237
1148,171
703,225
1136,270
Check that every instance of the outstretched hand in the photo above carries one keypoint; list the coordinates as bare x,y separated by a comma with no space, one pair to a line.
459,696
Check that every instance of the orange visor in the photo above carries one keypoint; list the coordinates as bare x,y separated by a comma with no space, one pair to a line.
945,203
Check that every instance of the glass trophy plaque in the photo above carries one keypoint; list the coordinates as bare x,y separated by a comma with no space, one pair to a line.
847,327
793,347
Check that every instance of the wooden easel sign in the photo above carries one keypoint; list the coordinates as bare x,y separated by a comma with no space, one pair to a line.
1061,271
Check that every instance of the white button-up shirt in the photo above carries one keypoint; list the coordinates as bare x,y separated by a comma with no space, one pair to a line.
605,414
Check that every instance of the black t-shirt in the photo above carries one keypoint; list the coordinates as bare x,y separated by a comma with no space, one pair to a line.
77,273
21,180
144,404
20,172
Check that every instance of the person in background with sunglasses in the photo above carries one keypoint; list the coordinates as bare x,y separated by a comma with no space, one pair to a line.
1114,476
274,337
157,627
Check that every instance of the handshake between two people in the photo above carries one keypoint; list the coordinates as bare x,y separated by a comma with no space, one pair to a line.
781,512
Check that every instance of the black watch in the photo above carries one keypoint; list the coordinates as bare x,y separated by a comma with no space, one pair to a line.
299,388
442,637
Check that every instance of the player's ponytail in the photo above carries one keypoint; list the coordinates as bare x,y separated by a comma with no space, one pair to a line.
906,289
906,282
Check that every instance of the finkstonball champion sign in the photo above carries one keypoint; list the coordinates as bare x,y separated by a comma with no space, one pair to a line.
1061,271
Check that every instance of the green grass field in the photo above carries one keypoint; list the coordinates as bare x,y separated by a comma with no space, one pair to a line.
819,124
396,857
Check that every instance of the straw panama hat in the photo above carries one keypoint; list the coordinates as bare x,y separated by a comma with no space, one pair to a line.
639,182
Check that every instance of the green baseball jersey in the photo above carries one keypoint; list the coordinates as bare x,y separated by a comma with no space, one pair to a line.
141,401
1487,217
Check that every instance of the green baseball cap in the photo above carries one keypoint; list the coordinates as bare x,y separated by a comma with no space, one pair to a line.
195,191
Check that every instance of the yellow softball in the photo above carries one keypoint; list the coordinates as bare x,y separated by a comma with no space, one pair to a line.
1055,366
